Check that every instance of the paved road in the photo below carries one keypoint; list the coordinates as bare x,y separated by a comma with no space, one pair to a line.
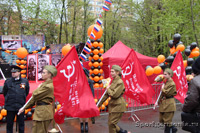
148,123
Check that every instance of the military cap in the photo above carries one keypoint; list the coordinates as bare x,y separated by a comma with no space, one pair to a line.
51,69
170,71
117,68
15,68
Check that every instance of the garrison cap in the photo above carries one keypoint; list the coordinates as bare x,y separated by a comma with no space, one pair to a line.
15,68
117,68
52,69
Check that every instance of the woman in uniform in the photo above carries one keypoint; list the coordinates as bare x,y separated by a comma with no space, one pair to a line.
42,97
117,104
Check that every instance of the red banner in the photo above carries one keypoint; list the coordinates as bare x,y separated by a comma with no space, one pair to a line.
72,90
179,77
135,80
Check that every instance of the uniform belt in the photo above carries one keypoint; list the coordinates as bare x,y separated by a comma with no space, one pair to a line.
42,103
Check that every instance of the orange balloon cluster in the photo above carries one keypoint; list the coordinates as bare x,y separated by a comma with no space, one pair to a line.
22,65
28,114
95,63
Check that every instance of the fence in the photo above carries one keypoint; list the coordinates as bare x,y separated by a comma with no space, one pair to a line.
134,105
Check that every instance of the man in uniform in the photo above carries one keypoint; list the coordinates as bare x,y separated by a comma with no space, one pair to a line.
15,91
167,103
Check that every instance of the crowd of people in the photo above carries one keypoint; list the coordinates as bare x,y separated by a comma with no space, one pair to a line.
16,89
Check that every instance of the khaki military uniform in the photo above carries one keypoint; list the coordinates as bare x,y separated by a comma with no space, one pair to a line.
43,113
167,103
117,104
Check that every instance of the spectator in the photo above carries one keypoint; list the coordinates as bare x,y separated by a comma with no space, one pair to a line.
15,91
192,103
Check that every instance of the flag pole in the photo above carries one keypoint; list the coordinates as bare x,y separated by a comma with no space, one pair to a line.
101,97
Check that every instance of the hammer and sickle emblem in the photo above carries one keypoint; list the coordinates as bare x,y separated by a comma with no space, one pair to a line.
70,74
124,73
178,72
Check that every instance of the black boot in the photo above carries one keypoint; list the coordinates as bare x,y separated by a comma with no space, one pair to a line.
174,129
86,127
82,127
93,120
168,129
122,131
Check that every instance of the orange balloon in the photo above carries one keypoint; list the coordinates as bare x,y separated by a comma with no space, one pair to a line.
26,111
23,62
35,51
101,85
58,106
157,70
95,71
180,47
101,58
43,48
90,58
101,64
90,71
149,71
96,78
23,71
172,50
106,102
101,77
91,78
66,49
102,107
161,58
3,112
18,61
95,64
101,50
23,75
1,117
101,71
194,53
95,51
185,63
96,85
22,66
96,57
97,34
100,44
21,52
196,49
90,64
95,44
95,100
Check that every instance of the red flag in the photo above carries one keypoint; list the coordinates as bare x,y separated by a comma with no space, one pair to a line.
72,90
179,77
135,80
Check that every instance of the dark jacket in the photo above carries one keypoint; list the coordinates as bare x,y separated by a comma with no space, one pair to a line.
90,82
15,92
192,101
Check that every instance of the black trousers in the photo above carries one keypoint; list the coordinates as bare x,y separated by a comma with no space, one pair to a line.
10,121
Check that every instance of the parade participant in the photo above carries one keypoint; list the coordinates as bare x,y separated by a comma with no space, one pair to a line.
192,103
117,104
85,120
167,103
15,91
42,97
